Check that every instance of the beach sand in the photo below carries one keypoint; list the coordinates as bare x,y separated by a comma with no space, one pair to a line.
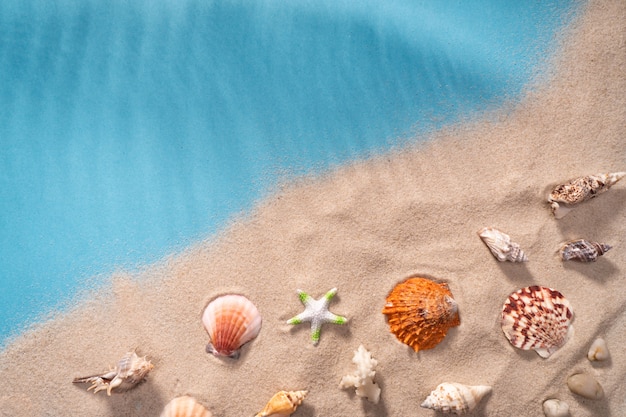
362,228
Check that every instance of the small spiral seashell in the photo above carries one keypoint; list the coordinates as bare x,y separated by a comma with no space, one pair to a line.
453,398
185,406
501,246
565,197
420,312
282,404
231,321
583,250
537,318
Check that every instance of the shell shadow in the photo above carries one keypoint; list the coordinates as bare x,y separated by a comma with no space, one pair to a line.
603,210
145,400
516,271
602,270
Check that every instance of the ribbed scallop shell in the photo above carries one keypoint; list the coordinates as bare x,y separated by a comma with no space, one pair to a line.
583,250
537,318
185,406
501,246
564,197
420,312
283,404
231,321
453,398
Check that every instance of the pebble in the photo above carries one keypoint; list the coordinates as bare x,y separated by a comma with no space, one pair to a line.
598,350
586,386
555,408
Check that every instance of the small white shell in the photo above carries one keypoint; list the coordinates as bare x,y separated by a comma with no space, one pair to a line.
185,406
586,386
598,350
501,246
555,408
455,398
231,321
537,318
565,197
583,250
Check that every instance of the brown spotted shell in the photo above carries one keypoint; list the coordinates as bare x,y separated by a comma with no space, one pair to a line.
566,196
420,312
185,406
583,250
537,318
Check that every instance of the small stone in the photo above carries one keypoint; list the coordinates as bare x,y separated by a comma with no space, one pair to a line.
598,350
586,386
555,408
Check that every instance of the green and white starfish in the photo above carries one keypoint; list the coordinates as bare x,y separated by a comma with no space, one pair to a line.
316,312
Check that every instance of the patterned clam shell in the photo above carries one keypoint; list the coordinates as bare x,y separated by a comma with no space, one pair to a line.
231,321
583,250
420,312
537,318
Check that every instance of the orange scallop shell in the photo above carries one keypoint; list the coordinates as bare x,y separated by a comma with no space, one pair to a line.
420,312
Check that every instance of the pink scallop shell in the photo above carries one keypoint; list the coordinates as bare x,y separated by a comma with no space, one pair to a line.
537,318
231,321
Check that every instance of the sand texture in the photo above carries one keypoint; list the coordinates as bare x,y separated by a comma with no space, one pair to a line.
363,228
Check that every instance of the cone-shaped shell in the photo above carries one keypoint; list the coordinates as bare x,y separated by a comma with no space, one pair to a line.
564,197
283,404
185,406
537,318
583,250
453,398
500,245
420,312
231,321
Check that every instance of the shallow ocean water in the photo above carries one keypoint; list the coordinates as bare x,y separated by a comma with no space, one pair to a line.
131,129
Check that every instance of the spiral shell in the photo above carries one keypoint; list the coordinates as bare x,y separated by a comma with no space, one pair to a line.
564,197
453,398
231,321
420,312
537,318
501,246
185,406
282,404
583,250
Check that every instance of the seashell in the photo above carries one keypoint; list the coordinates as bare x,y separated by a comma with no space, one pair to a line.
185,406
453,398
130,371
565,197
598,350
283,403
555,408
420,312
363,379
501,246
586,386
583,250
231,321
537,318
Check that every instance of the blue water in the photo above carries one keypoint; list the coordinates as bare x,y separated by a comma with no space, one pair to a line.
130,129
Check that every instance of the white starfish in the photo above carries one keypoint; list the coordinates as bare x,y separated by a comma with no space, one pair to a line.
316,312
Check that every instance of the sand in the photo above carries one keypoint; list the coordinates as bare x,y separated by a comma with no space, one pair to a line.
362,228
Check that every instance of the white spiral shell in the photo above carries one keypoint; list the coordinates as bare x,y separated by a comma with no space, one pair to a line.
501,246
454,398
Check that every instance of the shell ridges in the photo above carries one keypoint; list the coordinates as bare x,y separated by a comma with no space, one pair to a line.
455,398
185,406
564,197
282,404
501,246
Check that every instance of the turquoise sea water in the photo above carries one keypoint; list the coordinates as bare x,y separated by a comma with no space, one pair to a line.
130,129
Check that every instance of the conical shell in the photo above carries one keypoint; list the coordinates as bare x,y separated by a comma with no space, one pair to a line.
501,246
420,312
185,406
537,318
453,398
564,197
283,404
583,250
231,321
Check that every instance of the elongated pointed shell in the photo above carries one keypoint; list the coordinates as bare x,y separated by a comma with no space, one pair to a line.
453,398
185,406
564,197
500,245
583,250
537,318
283,404
231,321
420,312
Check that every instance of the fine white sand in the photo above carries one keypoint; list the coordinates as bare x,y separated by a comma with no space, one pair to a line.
362,229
